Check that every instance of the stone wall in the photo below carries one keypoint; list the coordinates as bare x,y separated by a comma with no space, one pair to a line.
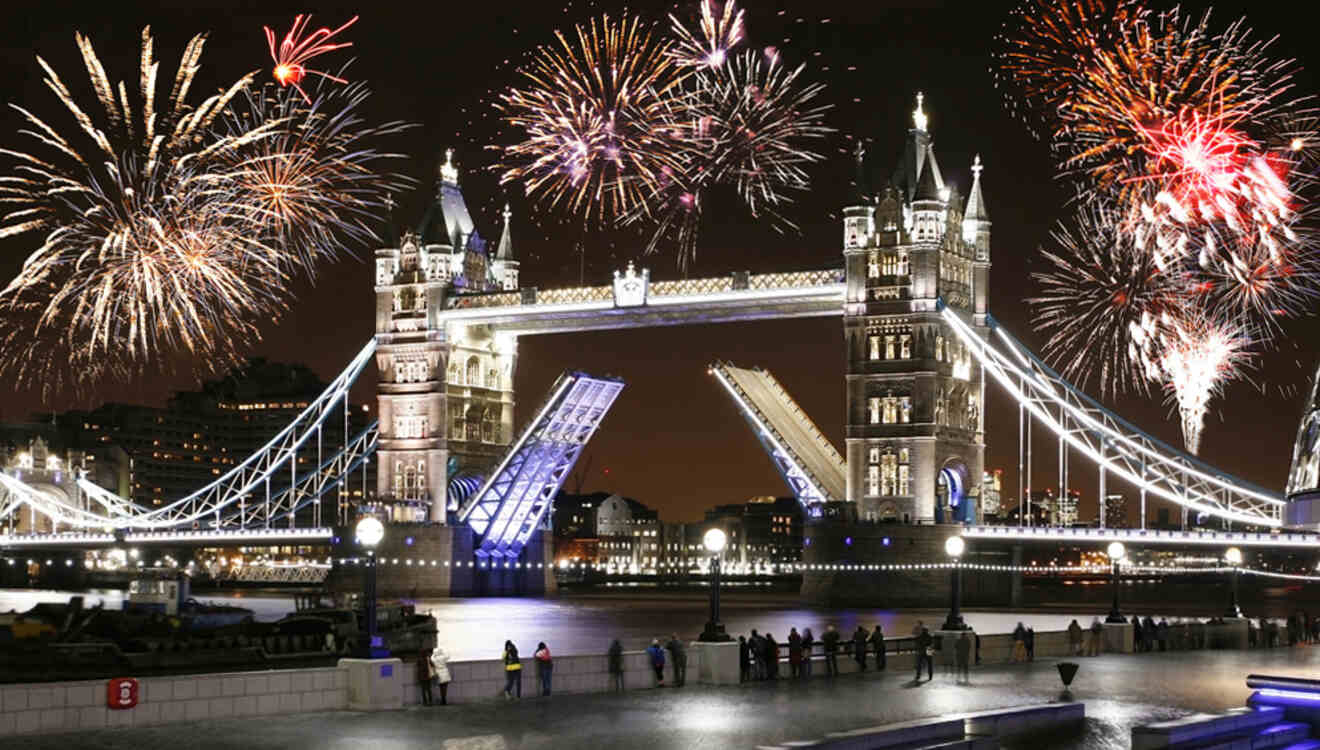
75,706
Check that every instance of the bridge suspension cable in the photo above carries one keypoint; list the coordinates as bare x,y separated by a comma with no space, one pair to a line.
1113,443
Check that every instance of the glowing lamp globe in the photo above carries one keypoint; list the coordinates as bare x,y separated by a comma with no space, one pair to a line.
1116,551
954,546
370,531
1233,556
714,541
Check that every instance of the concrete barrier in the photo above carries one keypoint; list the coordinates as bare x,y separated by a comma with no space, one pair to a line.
74,706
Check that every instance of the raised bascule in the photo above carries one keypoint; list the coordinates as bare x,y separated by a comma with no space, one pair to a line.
472,490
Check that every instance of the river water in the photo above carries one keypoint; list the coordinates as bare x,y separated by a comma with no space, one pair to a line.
586,623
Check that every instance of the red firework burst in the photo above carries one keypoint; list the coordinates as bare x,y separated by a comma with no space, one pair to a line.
293,52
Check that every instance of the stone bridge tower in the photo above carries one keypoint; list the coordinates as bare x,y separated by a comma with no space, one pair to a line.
445,392
915,420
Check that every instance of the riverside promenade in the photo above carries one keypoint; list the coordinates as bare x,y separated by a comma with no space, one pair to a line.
1120,691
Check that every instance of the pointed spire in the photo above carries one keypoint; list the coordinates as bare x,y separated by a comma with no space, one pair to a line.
505,251
861,187
975,202
928,188
448,170
919,115
391,233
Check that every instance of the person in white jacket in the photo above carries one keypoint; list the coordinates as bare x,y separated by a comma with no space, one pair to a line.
440,664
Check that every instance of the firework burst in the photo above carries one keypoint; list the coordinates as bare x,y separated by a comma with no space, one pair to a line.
292,53
172,229
594,107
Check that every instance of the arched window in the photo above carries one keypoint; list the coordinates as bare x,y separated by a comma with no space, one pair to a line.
473,371
398,479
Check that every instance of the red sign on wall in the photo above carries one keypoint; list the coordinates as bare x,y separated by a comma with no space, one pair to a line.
121,692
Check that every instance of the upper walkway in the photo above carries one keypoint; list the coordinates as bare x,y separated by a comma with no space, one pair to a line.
634,301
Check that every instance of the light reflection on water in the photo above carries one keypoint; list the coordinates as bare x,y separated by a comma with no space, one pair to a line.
477,628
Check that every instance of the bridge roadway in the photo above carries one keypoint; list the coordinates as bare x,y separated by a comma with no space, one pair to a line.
1138,538
810,465
196,537
1120,691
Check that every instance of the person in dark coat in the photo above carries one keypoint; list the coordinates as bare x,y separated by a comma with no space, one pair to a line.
808,645
794,653
615,659
859,647
1162,631
1136,633
1030,643
512,672
831,643
678,654
757,645
962,652
924,656
744,659
771,657
1148,633
545,666
425,676
877,641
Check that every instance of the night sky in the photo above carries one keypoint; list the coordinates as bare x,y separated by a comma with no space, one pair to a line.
673,440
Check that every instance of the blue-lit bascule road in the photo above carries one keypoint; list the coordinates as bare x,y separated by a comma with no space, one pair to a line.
913,297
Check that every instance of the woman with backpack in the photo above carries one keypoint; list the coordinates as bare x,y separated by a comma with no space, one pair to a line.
544,667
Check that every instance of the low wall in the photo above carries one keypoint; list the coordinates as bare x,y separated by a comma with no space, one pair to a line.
75,706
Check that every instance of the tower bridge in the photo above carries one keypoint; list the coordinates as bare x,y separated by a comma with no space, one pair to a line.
912,297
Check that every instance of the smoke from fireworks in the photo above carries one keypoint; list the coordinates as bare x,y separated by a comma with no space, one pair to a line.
1193,144
294,51
175,228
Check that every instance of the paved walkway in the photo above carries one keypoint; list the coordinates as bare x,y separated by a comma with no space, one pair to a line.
1119,691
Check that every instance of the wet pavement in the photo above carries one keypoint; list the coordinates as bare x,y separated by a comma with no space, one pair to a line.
1119,691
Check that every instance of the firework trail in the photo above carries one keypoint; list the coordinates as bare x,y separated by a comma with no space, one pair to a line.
749,126
293,52
594,110
719,33
177,228
1097,285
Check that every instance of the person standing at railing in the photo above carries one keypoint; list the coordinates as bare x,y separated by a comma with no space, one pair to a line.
545,666
615,663
925,655
877,641
440,665
963,656
771,657
1075,638
425,675
1020,643
744,659
512,672
808,645
831,641
794,653
656,656
678,654
859,647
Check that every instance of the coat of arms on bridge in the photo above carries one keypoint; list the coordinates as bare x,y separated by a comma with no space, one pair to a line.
630,287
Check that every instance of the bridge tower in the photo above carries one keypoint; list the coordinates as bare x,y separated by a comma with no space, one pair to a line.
915,424
445,392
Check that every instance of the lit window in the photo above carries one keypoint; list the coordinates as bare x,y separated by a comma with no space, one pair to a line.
905,346
875,410
874,347
889,347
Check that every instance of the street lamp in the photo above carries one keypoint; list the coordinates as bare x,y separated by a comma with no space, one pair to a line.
370,531
714,541
1116,552
954,547
1234,557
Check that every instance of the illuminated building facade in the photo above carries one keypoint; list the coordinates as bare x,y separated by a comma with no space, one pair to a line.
445,390
915,425
36,455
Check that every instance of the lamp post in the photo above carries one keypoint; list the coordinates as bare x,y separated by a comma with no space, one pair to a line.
369,532
714,541
954,547
1234,557
1116,552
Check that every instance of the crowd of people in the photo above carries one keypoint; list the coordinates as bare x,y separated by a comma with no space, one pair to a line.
760,656
1299,629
